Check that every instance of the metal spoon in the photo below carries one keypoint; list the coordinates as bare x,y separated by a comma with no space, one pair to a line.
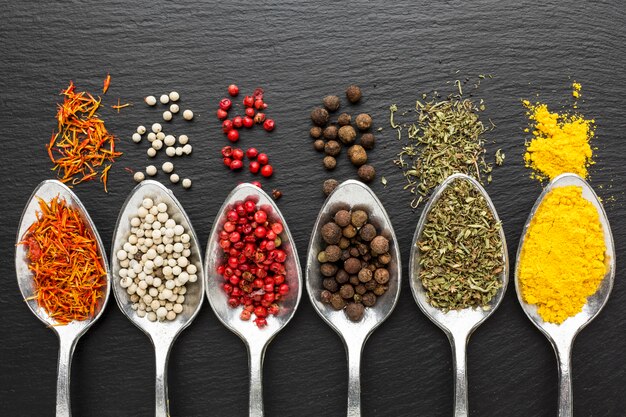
562,336
353,195
162,334
458,325
70,333
256,339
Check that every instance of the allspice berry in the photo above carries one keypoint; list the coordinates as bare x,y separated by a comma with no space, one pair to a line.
330,162
352,266
349,231
353,273
368,299
368,141
379,245
344,119
316,132
355,311
330,132
367,173
319,116
318,145
367,233
380,290
329,186
328,269
330,284
332,103
337,301
347,134
353,93
357,155
365,275
342,218
332,148
385,258
381,275
333,253
359,218
342,276
346,291
363,121
331,233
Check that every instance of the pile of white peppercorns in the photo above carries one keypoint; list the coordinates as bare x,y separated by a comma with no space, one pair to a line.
154,263
160,140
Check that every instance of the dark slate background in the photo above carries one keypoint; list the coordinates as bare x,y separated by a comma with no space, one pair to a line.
299,52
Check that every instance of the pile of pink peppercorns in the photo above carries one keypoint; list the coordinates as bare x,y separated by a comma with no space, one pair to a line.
233,157
253,264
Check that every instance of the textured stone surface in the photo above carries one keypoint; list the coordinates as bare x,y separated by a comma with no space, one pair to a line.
300,52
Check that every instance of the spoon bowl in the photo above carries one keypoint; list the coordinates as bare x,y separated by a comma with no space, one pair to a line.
562,336
458,325
70,333
161,333
256,339
354,195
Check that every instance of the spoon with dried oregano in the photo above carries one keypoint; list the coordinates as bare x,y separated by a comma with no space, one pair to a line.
459,266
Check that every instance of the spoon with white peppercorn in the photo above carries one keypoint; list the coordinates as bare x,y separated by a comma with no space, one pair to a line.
356,196
158,277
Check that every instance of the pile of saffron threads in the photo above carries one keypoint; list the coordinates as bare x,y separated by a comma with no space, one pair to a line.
81,148
68,271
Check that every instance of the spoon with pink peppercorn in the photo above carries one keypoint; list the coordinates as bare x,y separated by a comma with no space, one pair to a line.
253,275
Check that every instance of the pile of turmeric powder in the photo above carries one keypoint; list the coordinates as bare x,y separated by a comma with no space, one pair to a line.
563,259
560,141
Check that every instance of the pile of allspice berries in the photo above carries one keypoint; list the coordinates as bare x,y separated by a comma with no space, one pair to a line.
330,136
354,263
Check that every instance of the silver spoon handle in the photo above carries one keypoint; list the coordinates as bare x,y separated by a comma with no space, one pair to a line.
161,353
256,355
459,349
354,348
564,356
66,350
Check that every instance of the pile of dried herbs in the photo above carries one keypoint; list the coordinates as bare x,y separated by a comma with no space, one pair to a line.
460,250
448,137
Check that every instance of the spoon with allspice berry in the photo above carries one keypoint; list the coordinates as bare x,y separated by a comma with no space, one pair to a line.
353,272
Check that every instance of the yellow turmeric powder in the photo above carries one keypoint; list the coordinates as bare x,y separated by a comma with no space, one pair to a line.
563,259
560,141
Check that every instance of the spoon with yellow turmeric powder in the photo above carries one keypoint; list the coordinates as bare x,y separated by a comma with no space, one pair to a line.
565,268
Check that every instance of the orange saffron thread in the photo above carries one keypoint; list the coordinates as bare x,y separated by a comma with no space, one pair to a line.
81,145
68,272
107,81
